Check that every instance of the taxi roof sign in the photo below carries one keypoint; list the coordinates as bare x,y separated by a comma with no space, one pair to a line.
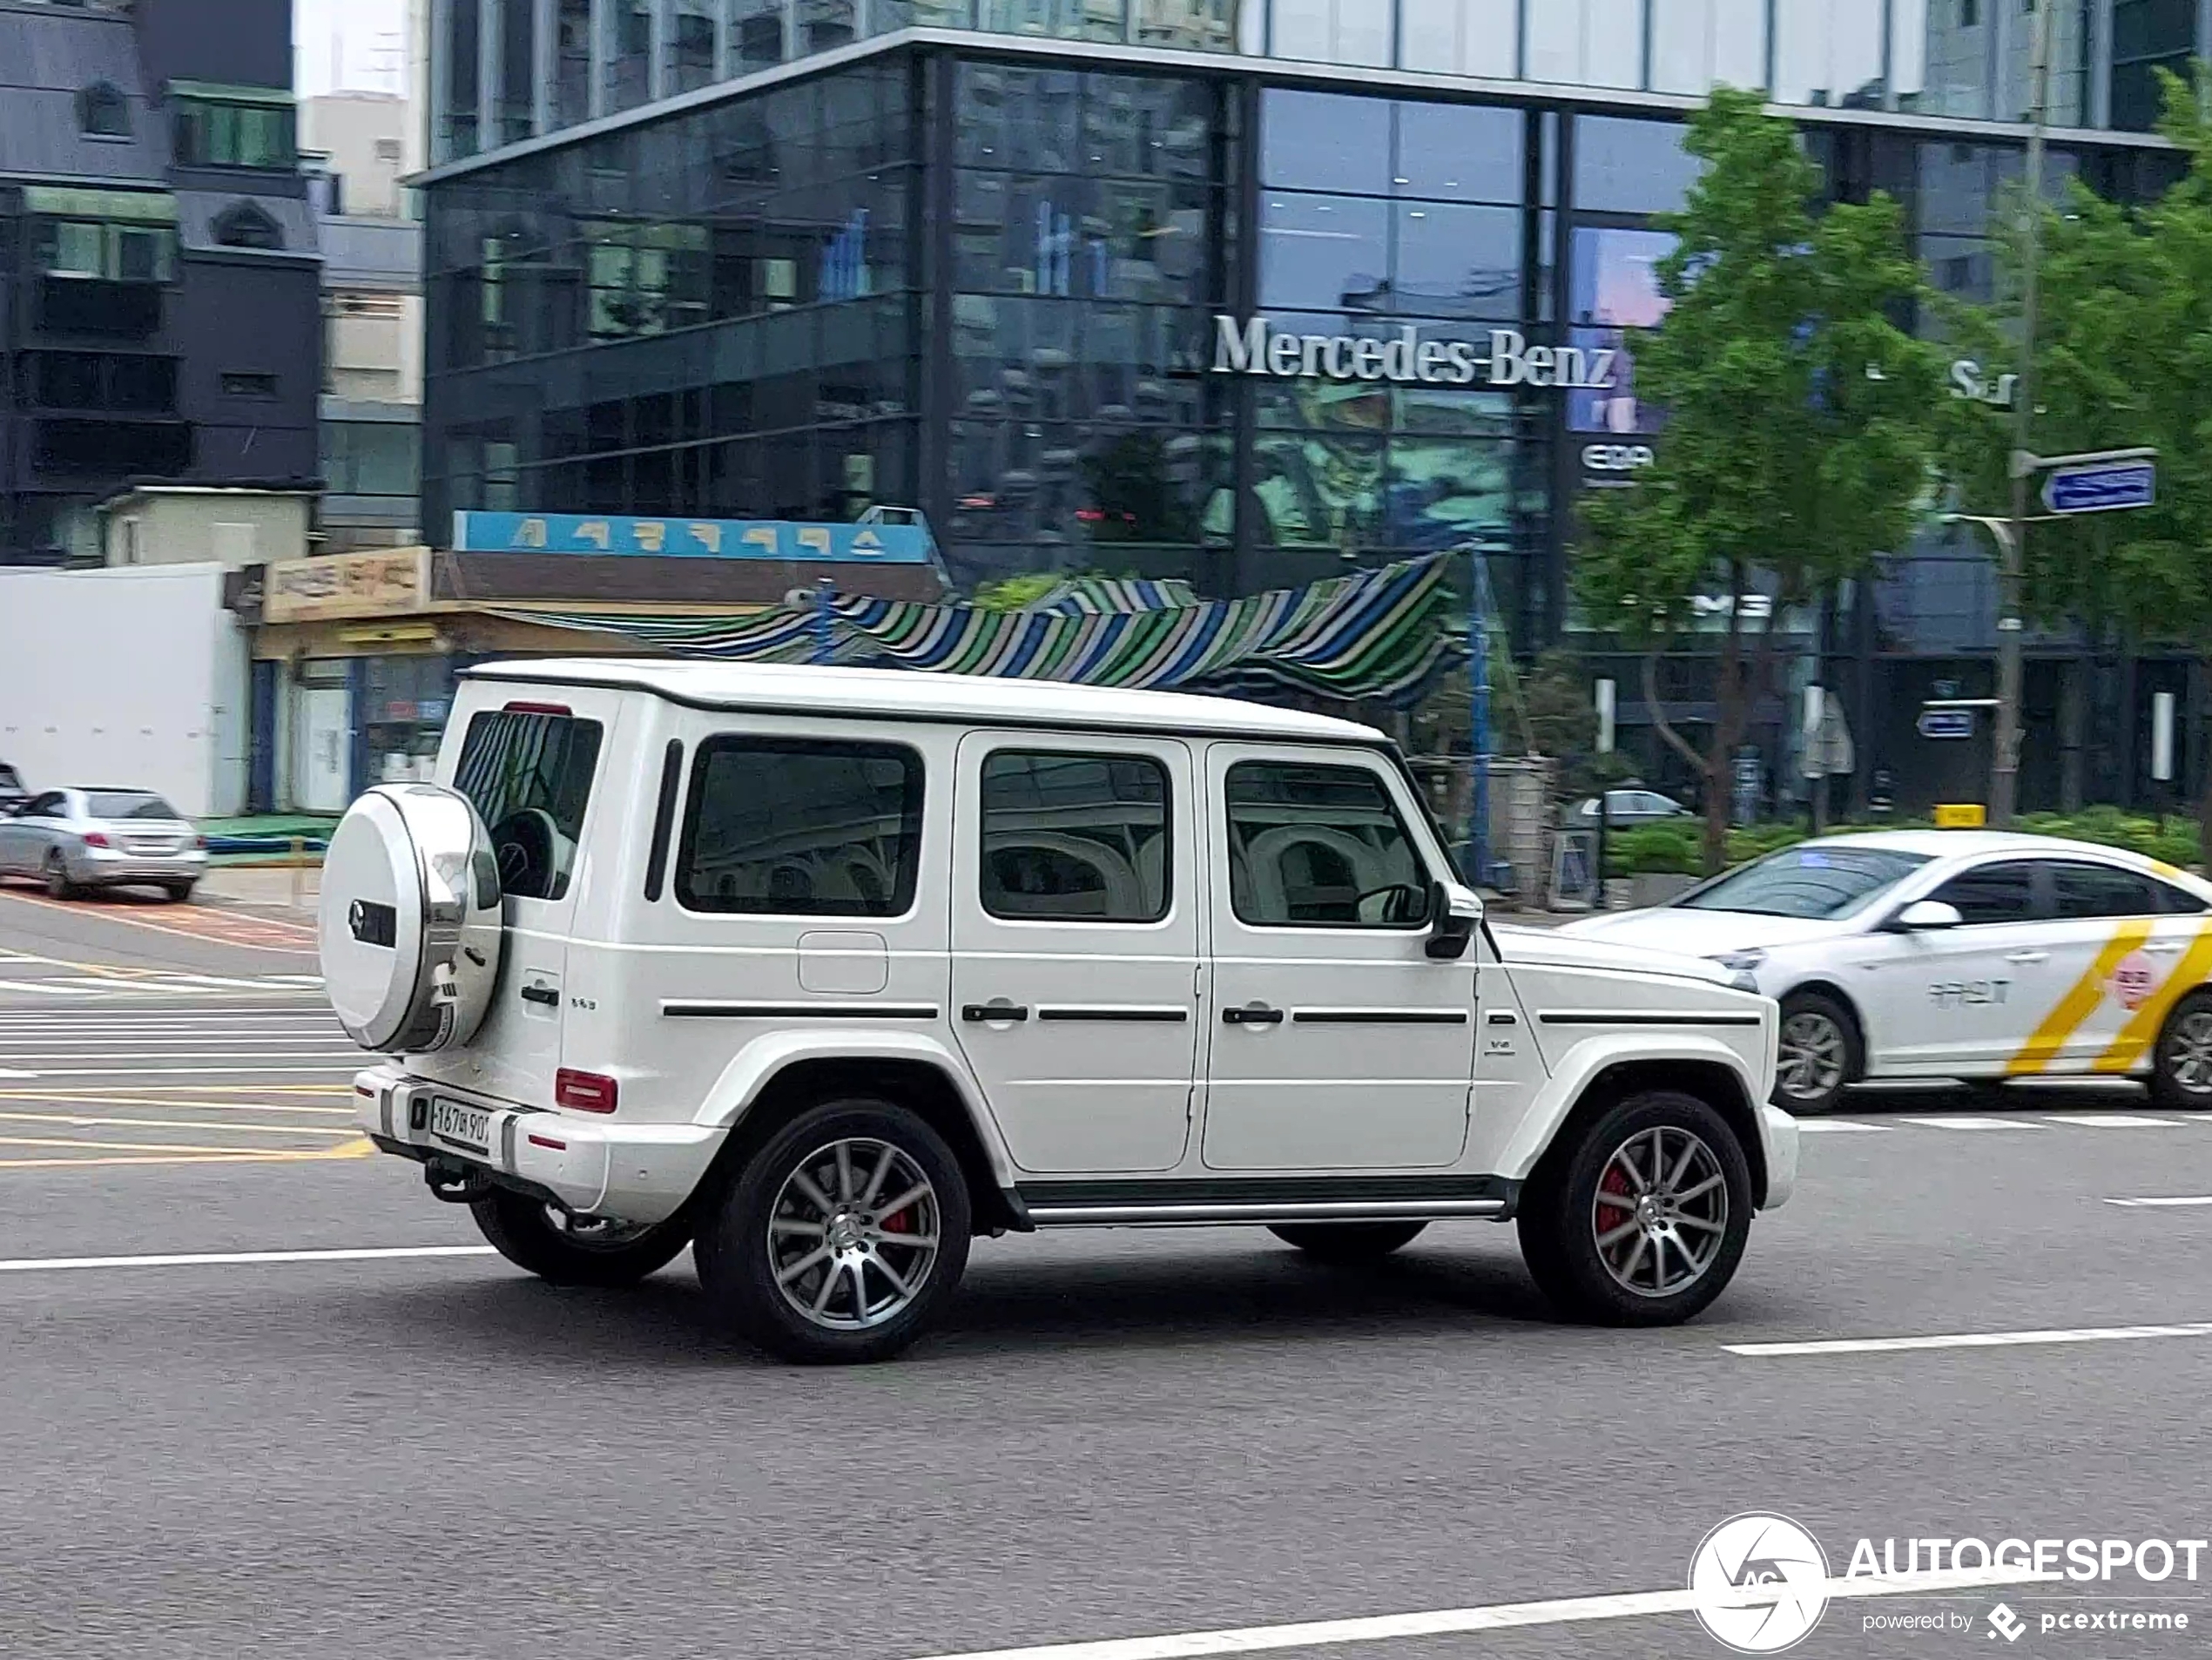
1961,815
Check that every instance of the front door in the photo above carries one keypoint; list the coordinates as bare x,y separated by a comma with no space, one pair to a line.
1075,945
1336,1042
320,780
1958,1001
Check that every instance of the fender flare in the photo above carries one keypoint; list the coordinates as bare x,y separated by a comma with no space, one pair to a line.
1573,1072
757,1065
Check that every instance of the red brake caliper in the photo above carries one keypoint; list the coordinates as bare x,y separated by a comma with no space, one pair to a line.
897,1223
1614,1181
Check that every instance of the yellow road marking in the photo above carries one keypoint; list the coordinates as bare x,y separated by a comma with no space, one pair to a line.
2080,1002
306,934
60,1098
144,1146
2142,1026
348,1150
83,1120
101,970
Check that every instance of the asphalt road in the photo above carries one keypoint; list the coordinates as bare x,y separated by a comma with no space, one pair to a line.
1121,1435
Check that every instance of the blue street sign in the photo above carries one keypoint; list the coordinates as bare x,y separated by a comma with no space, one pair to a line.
679,536
2101,487
1946,723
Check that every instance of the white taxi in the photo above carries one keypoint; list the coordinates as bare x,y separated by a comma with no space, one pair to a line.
1977,955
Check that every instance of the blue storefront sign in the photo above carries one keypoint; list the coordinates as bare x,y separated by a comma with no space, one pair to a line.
689,539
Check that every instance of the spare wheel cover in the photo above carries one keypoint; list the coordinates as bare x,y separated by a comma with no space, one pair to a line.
410,920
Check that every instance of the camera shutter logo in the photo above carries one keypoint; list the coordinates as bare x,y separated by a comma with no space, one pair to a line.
2003,1623
1761,1583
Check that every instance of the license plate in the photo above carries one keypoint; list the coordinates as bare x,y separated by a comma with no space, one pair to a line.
468,1127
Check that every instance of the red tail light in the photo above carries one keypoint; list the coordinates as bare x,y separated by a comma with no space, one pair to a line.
585,1091
97,839
200,842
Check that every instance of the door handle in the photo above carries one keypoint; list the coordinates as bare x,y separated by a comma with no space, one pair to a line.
2027,956
1000,1009
549,996
1251,1015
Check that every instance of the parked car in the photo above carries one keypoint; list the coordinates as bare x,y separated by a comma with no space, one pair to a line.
1952,953
12,793
1625,808
823,971
73,840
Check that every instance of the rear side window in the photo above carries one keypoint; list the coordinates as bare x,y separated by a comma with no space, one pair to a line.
2087,890
1993,893
1075,837
528,773
801,828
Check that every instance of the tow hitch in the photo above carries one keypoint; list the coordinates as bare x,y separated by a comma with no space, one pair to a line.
454,1182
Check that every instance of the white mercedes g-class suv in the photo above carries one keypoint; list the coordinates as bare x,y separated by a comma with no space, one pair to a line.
823,972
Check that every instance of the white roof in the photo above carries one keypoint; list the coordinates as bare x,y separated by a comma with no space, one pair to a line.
910,694
1952,844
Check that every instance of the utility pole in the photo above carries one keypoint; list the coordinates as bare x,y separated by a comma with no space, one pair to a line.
2005,764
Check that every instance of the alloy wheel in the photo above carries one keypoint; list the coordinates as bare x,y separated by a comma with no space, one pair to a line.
2189,1053
852,1235
1809,1061
1660,1211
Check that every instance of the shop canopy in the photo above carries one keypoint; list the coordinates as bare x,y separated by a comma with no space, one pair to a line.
1382,634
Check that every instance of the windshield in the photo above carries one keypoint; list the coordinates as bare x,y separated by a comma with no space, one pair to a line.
1815,880
128,804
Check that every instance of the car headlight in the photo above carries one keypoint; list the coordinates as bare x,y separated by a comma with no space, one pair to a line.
1741,962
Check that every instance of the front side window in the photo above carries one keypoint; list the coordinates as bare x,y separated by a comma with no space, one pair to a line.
801,827
528,773
1075,837
1320,846
2002,892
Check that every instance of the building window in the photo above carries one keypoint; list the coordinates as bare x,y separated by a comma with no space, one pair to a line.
214,133
245,383
242,225
98,249
103,113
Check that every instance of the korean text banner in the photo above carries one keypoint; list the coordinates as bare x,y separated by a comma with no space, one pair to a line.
680,537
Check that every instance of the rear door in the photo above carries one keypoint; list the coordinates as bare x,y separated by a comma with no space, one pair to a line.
2121,937
1337,1043
1075,944
529,763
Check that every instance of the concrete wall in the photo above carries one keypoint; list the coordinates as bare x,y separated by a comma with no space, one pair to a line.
132,679
219,528
345,126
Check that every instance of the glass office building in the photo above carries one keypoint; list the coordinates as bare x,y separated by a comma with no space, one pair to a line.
1243,295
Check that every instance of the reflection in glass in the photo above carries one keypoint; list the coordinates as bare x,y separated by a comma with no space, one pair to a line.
1460,38
1075,837
1586,43
1697,44
1613,290
1333,32
1828,53
759,28
1465,153
1623,166
1322,252
1453,262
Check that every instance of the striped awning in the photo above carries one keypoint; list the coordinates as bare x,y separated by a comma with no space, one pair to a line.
1382,634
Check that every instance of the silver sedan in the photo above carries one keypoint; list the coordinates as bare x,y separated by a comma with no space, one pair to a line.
73,840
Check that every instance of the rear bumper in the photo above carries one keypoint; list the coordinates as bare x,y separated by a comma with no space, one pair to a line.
634,1172
110,867
1781,1132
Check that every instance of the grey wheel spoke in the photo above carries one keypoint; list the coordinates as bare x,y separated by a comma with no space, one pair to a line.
1681,1167
1628,1268
920,1189
807,1185
891,1274
1699,1222
856,1271
1701,1188
1613,1237
844,1169
920,1241
821,1304
797,1225
875,1179
784,1276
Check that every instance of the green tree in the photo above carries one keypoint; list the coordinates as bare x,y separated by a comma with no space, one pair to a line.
2123,357
1800,422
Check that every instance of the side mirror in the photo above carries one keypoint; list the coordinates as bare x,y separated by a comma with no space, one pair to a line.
1923,914
1454,911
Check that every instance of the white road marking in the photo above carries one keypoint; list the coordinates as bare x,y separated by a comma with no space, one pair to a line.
329,1070
226,1258
45,989
2110,1121
2178,1203
10,1072
1968,1121
1832,1126
1971,1340
1497,1616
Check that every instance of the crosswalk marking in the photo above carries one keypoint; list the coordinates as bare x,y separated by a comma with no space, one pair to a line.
1832,1126
2111,1120
1969,1121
